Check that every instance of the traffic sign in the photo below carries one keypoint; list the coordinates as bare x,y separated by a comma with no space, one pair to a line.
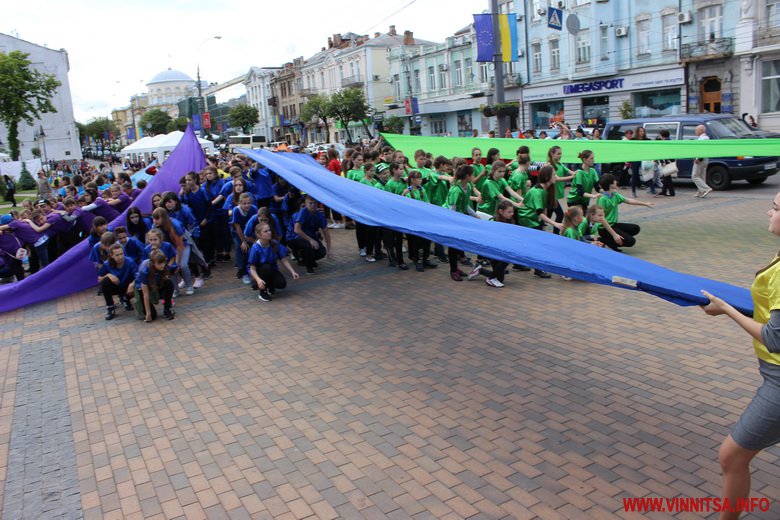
555,18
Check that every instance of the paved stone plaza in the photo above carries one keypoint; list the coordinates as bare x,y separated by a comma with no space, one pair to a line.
366,392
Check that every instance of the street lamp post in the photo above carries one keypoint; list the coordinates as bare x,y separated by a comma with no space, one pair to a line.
201,101
40,136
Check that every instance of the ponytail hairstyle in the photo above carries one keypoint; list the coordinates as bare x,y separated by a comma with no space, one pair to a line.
571,213
550,153
592,210
501,206
156,232
413,174
606,181
274,237
111,250
544,176
585,154
498,165
166,226
464,171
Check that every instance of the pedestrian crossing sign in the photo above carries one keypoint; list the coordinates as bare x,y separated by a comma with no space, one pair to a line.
555,18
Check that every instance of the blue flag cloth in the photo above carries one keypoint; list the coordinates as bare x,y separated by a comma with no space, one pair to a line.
483,28
73,272
506,242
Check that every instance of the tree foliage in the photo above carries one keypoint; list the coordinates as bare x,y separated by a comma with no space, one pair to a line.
318,108
25,94
350,105
244,117
97,128
155,122
626,110
26,181
394,125
180,124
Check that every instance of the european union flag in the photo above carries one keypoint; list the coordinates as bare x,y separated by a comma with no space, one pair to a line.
483,27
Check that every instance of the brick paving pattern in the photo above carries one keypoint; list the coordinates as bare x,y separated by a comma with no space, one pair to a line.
365,392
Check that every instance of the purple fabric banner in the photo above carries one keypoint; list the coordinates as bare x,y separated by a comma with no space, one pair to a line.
73,272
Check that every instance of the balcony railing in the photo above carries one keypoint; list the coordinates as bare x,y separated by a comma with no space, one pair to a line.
352,81
768,34
707,50
308,92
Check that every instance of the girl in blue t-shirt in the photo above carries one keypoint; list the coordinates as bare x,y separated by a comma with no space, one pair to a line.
116,277
174,233
238,220
263,259
153,283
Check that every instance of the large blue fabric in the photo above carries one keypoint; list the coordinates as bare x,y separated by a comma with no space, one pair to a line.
73,272
495,240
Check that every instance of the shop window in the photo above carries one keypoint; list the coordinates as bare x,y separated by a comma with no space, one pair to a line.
438,126
657,102
770,86
546,113
595,110
464,123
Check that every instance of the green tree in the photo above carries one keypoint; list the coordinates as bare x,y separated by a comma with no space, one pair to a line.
318,108
26,181
82,128
350,105
244,117
36,152
394,125
25,94
97,128
180,124
155,122
626,110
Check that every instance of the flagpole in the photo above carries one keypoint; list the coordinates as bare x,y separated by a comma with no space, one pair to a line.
498,66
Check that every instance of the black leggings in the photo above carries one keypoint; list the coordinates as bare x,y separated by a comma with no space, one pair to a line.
498,272
110,289
310,255
394,243
415,245
558,210
454,255
370,237
271,277
208,241
626,231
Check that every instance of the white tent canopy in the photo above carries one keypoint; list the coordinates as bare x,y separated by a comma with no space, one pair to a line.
161,145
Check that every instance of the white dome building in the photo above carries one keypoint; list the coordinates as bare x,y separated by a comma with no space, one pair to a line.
169,87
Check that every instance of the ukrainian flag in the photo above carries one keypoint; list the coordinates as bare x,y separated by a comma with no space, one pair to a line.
507,35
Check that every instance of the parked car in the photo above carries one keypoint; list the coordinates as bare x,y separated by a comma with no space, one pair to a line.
721,170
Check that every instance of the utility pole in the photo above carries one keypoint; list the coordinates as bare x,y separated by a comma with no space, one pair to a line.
498,67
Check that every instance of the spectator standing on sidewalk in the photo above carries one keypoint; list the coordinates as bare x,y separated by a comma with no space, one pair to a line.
699,175
44,188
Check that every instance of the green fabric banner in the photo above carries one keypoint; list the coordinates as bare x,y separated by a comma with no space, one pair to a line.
605,151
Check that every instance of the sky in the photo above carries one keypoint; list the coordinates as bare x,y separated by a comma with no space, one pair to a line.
115,47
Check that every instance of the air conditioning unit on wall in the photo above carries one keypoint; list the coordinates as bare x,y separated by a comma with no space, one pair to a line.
684,17
541,11
621,31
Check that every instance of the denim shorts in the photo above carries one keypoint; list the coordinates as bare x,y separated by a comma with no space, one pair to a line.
759,425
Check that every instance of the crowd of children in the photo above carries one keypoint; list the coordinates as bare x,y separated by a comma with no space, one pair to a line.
237,209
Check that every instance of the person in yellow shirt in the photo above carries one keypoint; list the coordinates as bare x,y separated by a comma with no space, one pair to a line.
759,426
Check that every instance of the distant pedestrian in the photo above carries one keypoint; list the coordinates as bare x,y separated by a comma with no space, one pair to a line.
10,190
699,175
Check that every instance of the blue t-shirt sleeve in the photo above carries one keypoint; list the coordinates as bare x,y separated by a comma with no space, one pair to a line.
104,269
254,254
94,254
227,189
283,251
143,275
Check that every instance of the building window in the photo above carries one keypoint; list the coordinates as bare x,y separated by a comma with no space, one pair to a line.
322,79
484,72
341,73
417,85
536,6
397,86
536,52
469,71
581,2
438,126
604,39
442,76
710,22
555,54
431,78
458,73
770,86
583,47
595,110
670,29
351,68
773,13
643,37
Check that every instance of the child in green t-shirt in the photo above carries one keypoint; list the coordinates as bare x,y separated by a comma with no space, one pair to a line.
610,200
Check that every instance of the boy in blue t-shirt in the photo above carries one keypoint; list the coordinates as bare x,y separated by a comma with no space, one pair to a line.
116,277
